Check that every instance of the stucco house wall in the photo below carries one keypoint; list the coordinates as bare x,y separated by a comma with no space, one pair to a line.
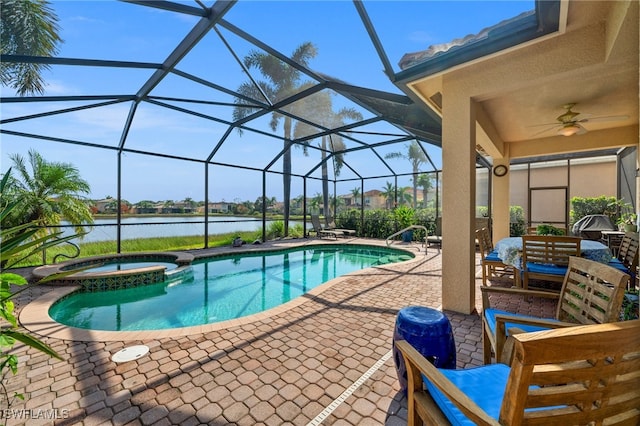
584,178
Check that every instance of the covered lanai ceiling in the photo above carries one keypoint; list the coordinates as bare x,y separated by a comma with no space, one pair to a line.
589,66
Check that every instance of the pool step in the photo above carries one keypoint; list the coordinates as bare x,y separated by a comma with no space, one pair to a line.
180,274
384,260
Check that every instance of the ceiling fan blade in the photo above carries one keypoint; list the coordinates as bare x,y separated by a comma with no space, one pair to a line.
545,130
582,130
545,124
603,119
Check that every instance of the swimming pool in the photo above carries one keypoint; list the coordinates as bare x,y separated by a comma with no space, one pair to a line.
117,271
220,288
126,266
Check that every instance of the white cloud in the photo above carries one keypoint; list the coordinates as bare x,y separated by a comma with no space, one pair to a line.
57,87
420,37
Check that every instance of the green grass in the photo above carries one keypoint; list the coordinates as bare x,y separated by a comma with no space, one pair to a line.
152,244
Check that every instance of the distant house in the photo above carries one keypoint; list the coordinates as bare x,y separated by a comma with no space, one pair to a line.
350,201
278,207
184,207
145,210
109,206
100,206
374,200
218,207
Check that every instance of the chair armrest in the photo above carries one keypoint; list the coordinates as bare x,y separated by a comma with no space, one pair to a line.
416,366
501,329
486,291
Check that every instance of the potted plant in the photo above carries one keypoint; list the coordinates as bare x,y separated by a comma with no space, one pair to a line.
404,215
627,221
548,230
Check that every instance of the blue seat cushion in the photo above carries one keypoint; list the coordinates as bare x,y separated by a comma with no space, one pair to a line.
540,268
490,317
617,263
493,257
484,385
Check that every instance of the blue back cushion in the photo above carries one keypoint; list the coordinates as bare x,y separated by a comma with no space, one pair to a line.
493,257
490,316
484,385
540,268
616,263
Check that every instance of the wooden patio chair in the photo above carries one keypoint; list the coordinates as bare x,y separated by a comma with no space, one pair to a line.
574,376
592,293
627,256
492,265
546,257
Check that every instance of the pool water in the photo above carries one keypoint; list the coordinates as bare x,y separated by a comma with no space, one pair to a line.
221,288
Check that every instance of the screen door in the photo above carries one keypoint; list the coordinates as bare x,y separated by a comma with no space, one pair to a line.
549,205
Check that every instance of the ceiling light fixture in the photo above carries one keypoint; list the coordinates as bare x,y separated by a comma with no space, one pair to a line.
569,130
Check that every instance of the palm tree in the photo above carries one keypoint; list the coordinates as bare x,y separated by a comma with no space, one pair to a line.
337,201
167,206
425,181
189,204
145,206
297,203
48,192
320,106
314,203
416,155
403,197
264,203
282,81
389,193
355,193
29,27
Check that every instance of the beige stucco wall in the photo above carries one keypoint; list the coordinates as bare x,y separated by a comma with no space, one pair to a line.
585,179
468,91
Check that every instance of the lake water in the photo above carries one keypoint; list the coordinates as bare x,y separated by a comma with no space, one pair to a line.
146,227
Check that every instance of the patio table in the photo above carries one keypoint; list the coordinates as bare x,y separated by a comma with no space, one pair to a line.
510,251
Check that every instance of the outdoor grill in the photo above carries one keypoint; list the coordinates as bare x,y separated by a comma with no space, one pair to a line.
590,227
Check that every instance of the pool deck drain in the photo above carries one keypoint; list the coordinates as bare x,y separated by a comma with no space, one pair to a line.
131,353
349,391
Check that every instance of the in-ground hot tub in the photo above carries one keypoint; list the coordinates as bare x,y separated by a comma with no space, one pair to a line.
118,271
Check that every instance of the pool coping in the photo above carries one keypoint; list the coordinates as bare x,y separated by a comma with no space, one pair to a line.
35,315
177,258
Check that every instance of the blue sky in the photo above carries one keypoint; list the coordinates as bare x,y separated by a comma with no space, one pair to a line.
121,31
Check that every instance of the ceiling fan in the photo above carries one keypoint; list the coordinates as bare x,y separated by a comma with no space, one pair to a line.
570,122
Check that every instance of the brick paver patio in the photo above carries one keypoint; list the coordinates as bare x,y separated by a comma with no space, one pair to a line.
324,361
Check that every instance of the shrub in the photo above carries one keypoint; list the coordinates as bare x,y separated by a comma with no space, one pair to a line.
548,230
18,243
516,221
275,230
378,224
584,206
404,216
349,219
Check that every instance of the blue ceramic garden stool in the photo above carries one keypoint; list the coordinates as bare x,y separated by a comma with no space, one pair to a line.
429,331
